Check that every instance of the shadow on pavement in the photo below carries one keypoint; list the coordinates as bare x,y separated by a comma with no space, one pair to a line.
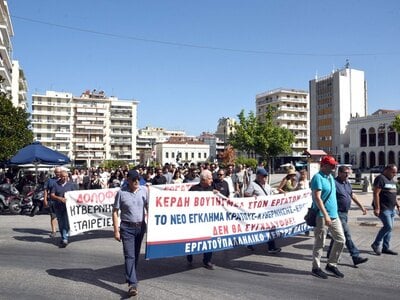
40,235
99,277
148,269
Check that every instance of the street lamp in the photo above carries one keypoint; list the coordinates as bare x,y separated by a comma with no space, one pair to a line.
383,127
89,145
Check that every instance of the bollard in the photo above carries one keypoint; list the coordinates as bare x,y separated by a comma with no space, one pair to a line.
366,186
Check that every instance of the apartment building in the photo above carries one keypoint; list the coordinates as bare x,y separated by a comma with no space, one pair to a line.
51,120
6,32
334,100
19,86
225,127
148,137
292,112
89,128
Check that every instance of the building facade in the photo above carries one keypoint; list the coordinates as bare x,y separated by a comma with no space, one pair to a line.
225,127
6,32
148,137
372,141
182,150
19,86
89,129
334,100
292,112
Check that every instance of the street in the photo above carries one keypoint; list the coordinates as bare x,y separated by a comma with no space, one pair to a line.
91,267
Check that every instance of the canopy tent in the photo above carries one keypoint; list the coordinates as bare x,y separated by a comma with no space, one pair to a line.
38,155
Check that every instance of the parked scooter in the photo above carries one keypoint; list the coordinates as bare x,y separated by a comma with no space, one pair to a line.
22,204
9,197
37,199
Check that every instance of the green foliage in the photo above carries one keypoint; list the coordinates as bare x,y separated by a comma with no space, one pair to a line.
261,137
396,123
14,128
245,132
113,164
250,162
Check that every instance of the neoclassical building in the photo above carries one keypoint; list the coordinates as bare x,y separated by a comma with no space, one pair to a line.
371,140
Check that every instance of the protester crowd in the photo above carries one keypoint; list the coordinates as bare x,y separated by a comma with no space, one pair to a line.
332,197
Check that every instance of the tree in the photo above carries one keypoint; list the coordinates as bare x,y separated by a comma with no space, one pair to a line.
396,123
14,128
273,140
245,131
263,137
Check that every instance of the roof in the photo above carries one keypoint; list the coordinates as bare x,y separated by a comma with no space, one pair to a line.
315,152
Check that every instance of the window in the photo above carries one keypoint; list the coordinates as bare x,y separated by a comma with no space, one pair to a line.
391,135
372,137
166,155
363,137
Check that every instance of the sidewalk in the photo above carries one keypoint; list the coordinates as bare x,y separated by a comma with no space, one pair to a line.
355,214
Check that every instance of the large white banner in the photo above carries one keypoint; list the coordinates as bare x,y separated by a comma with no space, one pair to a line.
90,209
182,223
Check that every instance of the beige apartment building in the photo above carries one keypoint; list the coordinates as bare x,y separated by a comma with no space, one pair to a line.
89,129
334,100
13,81
292,112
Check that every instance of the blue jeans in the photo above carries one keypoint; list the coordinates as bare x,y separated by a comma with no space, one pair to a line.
385,233
131,240
354,252
63,224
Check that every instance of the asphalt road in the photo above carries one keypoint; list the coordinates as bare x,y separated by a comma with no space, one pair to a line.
91,267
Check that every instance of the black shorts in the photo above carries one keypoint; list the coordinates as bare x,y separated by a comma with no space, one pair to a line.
52,211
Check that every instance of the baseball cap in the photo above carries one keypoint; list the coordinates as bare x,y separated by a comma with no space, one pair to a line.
262,171
328,160
133,175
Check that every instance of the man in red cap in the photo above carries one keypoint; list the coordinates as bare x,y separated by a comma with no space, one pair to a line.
324,200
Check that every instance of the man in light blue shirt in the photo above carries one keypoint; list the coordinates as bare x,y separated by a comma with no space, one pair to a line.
324,199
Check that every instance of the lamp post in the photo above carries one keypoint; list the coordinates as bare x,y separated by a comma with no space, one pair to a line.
383,127
89,145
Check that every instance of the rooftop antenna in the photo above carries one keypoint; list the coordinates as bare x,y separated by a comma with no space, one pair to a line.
347,65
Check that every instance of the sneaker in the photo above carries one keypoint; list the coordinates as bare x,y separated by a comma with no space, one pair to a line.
334,270
63,244
274,251
388,251
53,234
376,249
250,247
319,273
209,266
359,260
132,291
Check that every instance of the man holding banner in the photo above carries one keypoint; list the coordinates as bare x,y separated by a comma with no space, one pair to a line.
260,187
131,202
58,191
205,184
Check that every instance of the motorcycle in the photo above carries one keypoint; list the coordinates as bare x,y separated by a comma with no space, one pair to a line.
9,198
22,204
37,199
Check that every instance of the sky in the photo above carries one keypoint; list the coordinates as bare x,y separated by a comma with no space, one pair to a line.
190,63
